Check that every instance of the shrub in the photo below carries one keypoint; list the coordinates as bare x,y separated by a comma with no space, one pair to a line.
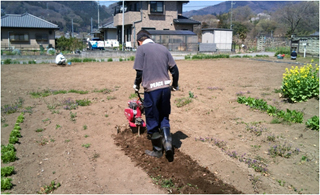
32,62
131,58
282,50
7,61
300,84
88,60
110,59
75,60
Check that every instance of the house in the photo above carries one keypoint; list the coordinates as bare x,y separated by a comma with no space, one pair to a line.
216,39
149,15
109,32
306,44
26,31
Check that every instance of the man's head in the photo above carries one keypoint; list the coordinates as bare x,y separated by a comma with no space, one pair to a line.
142,35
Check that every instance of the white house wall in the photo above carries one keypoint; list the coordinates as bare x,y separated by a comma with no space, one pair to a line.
223,39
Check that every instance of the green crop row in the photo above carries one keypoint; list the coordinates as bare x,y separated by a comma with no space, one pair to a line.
260,104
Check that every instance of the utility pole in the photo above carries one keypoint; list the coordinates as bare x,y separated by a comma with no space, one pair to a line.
72,28
122,23
231,14
98,15
91,26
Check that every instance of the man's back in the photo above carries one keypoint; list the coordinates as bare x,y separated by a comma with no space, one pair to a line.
154,60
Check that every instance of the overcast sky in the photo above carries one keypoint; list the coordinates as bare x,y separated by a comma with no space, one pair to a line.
192,5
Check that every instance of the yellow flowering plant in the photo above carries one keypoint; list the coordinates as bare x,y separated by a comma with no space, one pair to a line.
301,84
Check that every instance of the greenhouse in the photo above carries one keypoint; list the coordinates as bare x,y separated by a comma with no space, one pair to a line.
176,40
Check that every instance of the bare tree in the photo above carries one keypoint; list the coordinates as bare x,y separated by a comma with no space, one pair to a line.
299,18
242,14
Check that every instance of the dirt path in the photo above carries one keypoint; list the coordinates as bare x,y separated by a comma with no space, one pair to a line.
58,152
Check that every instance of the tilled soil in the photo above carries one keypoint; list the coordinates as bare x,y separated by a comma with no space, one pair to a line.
184,175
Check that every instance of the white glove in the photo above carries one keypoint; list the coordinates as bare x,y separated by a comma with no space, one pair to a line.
174,89
135,87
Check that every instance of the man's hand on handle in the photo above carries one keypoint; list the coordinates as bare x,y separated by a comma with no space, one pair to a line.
174,88
136,87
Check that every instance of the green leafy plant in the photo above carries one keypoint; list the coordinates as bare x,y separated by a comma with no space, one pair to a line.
191,95
110,59
85,127
73,116
13,139
57,126
111,97
133,95
6,184
7,171
86,145
39,130
78,91
260,104
84,102
49,188
8,153
301,84
313,123
182,101
281,183
15,133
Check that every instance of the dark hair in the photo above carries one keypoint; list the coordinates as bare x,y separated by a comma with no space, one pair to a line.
143,35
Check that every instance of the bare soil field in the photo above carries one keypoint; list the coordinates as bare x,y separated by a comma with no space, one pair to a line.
91,149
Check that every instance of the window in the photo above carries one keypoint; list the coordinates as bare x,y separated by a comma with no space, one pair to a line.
156,6
19,37
128,34
41,37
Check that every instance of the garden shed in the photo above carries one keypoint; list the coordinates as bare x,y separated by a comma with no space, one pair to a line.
216,39
176,40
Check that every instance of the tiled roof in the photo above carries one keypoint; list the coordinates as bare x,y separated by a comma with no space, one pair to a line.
108,25
25,21
171,32
185,20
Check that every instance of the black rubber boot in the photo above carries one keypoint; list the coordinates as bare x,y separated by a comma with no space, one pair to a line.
156,145
167,143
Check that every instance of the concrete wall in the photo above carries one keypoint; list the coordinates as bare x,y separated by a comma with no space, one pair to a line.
207,47
32,43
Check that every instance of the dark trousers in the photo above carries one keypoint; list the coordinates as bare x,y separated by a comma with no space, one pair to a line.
157,109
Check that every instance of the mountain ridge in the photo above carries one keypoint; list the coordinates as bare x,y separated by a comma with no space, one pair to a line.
224,7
